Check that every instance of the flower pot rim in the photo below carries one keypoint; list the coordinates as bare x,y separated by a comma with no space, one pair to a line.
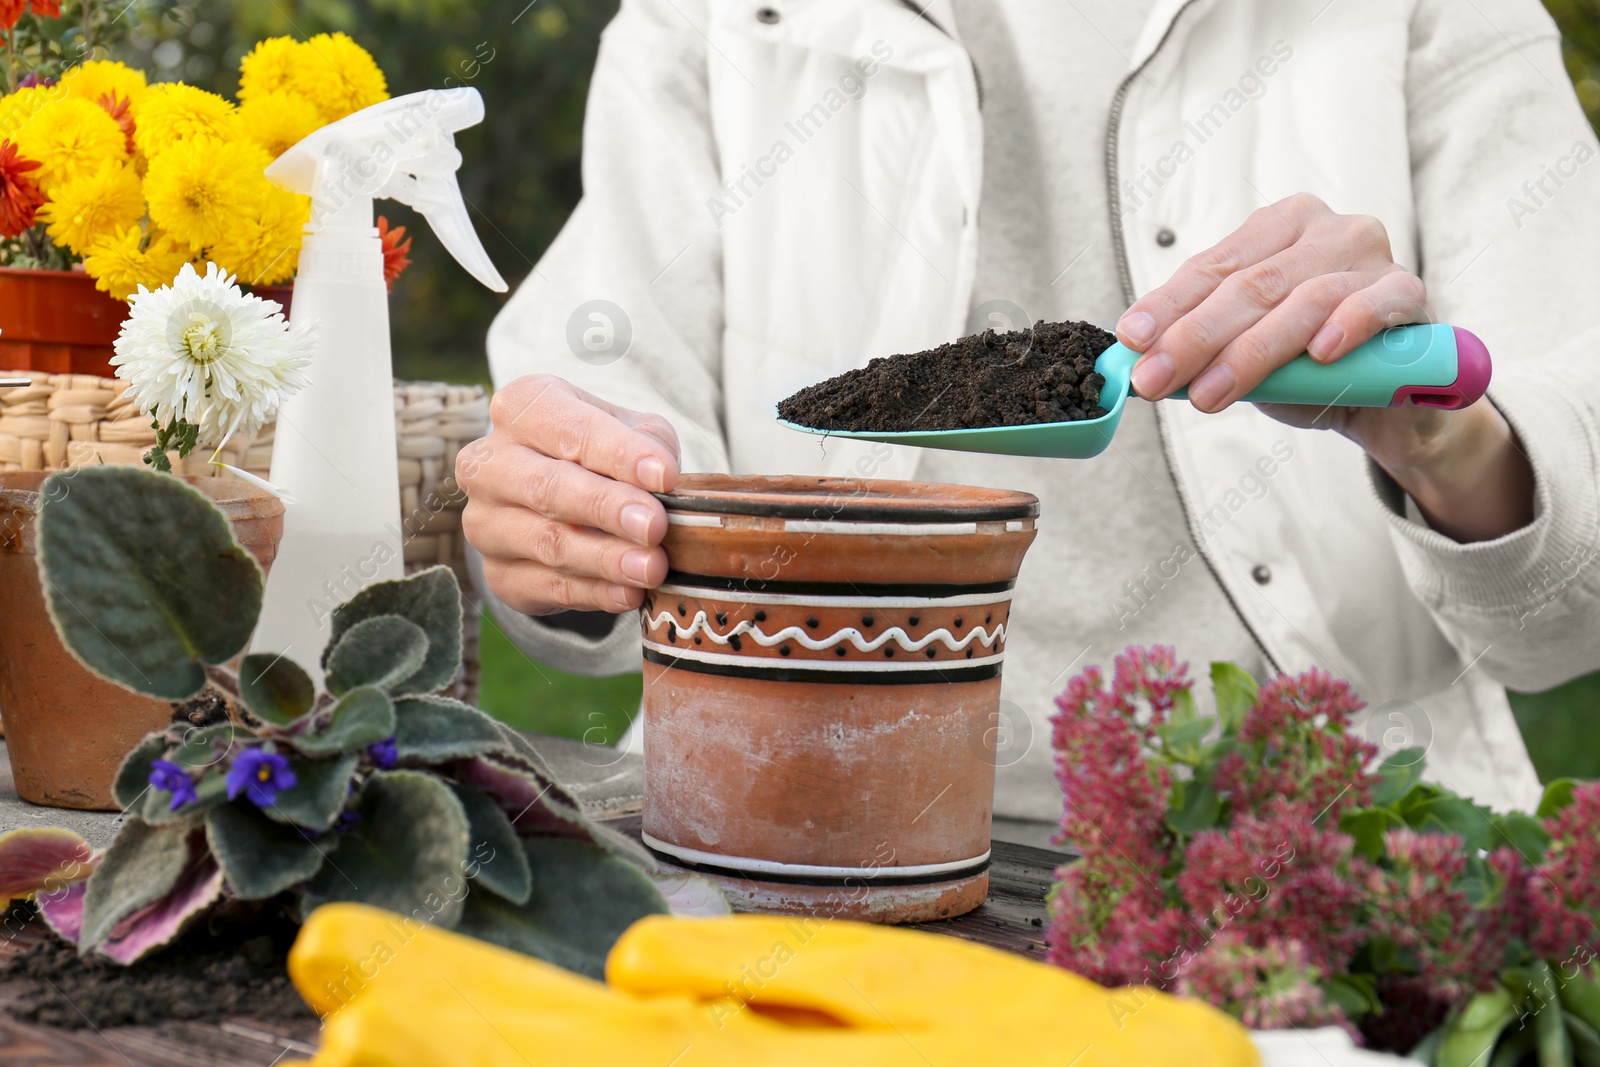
34,272
846,499
220,490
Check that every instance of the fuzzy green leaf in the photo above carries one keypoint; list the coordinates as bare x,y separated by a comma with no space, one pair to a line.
497,861
145,581
321,787
583,898
156,808
362,717
1235,690
383,651
432,600
132,782
260,858
210,746
435,729
1557,795
1397,774
407,853
275,688
141,866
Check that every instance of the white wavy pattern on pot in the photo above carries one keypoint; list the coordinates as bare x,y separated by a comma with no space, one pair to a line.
702,624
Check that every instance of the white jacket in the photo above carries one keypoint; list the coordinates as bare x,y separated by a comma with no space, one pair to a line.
746,253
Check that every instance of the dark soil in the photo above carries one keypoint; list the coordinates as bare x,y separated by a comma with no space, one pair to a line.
1045,374
229,970
203,709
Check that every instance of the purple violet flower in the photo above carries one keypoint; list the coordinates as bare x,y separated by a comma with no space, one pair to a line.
383,754
259,775
347,821
166,775
35,79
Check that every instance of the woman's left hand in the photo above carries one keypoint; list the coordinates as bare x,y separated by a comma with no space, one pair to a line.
1299,277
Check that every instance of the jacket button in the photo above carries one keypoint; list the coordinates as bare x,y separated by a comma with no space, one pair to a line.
769,15
1261,573
1166,238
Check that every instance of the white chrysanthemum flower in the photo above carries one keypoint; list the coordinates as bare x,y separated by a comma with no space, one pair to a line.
201,350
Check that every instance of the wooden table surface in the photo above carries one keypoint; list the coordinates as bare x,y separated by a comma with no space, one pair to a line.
1012,918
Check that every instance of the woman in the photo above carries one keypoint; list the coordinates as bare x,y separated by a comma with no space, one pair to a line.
779,190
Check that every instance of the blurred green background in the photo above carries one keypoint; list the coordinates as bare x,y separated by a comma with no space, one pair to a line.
531,61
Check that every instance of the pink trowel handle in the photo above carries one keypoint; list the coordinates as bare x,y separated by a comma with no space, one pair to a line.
1474,368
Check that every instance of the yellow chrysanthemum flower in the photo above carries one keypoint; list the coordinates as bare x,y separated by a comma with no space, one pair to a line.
86,208
266,249
70,138
339,76
99,78
200,189
278,120
121,265
173,112
22,105
272,66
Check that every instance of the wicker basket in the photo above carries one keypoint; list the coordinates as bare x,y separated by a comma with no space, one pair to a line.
66,420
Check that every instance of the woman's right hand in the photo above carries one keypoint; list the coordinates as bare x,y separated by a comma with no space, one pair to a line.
559,498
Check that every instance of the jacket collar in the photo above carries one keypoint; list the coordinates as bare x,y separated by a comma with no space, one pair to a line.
1156,28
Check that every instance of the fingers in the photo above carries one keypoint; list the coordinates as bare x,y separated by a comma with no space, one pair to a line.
555,418
1238,302
515,534
1264,234
1395,299
535,589
524,479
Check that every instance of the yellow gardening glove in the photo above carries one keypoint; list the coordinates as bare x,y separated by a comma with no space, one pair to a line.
741,991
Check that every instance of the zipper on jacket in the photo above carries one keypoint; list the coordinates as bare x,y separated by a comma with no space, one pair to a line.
1119,247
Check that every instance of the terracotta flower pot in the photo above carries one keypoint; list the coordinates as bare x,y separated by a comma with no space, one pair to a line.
822,669
57,321
66,729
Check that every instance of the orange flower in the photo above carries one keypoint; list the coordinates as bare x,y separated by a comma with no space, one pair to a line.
118,107
396,250
45,9
20,198
10,12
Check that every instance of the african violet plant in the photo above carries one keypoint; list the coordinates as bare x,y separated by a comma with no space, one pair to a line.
1269,862
376,790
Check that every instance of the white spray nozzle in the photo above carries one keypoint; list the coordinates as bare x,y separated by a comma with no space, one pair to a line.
402,149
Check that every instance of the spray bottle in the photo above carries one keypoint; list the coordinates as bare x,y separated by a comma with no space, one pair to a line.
333,454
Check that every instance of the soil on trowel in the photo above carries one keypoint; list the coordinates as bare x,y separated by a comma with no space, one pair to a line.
1045,374
230,969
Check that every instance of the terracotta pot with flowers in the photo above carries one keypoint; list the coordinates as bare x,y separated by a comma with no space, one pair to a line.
108,183
205,361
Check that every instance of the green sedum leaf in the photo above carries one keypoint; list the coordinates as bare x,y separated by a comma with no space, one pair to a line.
432,600
141,866
1199,809
1557,795
497,861
582,899
259,857
436,729
1368,827
1397,774
1522,832
320,789
383,651
144,579
1235,690
275,688
362,717
407,853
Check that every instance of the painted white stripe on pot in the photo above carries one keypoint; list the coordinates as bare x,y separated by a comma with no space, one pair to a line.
681,518
752,630
897,529
883,666
1015,526
809,870
964,600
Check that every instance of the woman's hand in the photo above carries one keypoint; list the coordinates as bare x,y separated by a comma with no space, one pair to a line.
1298,277
559,499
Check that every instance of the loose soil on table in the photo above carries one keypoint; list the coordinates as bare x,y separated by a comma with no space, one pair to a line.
1045,374
236,972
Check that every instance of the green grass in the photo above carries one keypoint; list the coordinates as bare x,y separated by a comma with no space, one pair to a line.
1560,726
532,696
